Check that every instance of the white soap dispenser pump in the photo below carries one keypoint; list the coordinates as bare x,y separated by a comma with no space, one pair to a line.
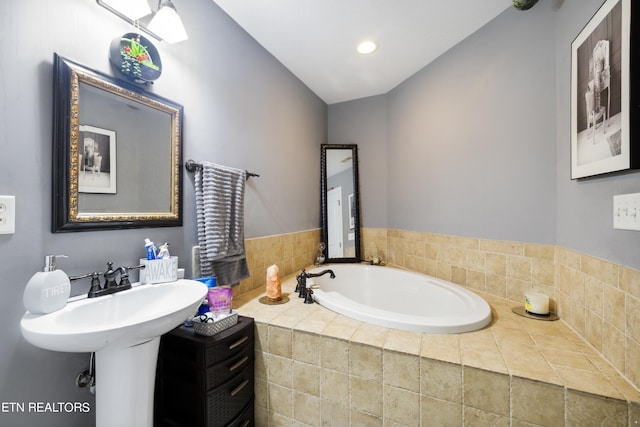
48,290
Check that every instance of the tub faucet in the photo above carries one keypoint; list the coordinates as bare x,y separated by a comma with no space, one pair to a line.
301,286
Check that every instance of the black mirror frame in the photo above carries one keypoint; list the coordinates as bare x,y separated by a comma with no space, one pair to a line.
66,115
323,201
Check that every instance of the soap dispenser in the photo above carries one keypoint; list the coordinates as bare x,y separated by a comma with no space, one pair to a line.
48,290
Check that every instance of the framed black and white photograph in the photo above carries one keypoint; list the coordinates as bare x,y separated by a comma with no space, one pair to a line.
600,85
97,160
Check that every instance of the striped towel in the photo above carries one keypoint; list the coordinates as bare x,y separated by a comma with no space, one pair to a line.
220,217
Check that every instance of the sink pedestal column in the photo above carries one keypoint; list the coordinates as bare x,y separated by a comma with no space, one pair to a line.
125,381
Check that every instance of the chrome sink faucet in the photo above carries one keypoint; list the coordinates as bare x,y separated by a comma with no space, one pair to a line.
110,285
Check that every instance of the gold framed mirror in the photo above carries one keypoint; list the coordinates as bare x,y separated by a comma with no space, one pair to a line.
117,153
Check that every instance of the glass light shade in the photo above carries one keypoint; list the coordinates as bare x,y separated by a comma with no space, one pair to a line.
132,9
167,24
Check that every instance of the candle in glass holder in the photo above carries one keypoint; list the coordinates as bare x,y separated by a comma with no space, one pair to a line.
274,287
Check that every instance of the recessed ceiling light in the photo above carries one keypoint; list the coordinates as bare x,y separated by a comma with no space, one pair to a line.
367,47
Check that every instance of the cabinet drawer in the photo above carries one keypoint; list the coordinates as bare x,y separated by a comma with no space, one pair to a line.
213,376
217,408
227,401
200,351
246,418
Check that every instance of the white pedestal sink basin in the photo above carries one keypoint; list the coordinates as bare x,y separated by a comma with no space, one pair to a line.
124,330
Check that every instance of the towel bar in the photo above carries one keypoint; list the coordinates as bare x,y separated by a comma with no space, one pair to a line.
192,166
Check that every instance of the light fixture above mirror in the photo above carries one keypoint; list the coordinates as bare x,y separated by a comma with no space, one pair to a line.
163,24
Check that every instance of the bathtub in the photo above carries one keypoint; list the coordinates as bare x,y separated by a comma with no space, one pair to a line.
399,299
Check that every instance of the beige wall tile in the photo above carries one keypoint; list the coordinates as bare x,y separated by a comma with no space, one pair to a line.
593,295
306,347
542,271
478,418
613,345
502,247
519,268
537,403
280,370
604,271
366,395
487,391
366,361
441,380
306,378
613,307
280,341
633,318
280,400
334,413
629,281
334,386
586,409
334,354
365,420
496,264
440,413
306,408
401,406
401,370
476,260
632,367
593,330
534,250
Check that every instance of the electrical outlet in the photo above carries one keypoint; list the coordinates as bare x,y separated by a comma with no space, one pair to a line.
626,212
7,214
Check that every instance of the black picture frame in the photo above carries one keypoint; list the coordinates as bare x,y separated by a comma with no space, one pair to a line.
604,101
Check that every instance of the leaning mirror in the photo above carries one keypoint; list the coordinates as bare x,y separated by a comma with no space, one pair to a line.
117,153
340,202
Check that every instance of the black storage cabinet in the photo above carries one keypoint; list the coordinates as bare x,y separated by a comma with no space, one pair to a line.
206,381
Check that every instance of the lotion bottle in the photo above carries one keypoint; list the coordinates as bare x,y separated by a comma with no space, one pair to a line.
48,290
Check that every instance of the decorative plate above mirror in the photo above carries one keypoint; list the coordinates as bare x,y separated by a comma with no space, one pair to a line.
136,58
117,153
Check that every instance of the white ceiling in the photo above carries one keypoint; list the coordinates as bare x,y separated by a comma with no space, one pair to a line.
316,39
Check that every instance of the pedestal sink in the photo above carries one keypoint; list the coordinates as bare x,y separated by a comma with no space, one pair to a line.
124,330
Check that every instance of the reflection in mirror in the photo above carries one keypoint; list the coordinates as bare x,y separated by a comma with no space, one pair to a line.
117,153
340,202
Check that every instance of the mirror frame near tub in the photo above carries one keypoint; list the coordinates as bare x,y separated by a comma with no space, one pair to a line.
95,110
340,202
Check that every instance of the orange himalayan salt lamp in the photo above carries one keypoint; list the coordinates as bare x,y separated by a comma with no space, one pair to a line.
274,288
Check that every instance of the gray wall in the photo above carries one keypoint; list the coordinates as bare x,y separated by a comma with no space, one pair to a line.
364,122
585,207
478,142
242,109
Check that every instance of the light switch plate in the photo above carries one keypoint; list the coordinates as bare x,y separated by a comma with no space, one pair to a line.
7,214
626,212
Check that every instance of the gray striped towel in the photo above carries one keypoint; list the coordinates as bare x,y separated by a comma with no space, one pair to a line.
220,217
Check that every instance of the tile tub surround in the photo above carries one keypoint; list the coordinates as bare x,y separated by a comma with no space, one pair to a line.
598,299
317,367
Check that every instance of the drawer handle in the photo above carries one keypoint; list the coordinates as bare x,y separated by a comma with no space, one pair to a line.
239,388
238,364
237,343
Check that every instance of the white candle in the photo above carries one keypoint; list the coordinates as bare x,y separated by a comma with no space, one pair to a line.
536,303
